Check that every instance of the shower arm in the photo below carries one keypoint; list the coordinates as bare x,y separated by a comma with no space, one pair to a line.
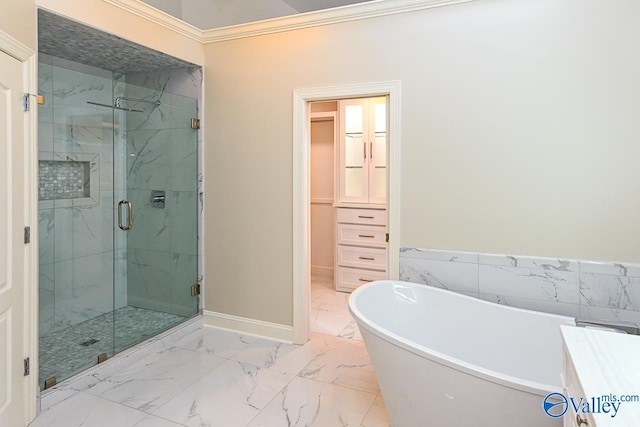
126,98
113,107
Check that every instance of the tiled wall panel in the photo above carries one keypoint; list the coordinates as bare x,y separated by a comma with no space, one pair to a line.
582,289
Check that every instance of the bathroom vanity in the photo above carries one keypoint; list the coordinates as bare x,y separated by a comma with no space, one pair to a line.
600,366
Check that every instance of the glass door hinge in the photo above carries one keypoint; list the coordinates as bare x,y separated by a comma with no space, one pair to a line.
26,100
50,382
195,290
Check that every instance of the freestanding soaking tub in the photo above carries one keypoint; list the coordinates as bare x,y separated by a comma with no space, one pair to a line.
448,360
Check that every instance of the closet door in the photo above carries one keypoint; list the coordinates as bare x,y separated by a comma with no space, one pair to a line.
354,152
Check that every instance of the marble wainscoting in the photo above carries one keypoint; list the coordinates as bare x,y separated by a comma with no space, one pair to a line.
586,290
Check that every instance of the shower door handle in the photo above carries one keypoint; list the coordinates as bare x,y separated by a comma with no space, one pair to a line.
129,215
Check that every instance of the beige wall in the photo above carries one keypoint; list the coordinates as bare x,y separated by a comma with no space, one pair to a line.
18,19
322,179
114,20
519,124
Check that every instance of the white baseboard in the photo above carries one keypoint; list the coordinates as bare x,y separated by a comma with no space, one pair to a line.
246,326
317,270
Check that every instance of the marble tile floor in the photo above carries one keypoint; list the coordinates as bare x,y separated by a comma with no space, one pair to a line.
65,352
211,377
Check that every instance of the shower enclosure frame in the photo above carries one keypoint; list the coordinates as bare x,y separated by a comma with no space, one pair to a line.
125,105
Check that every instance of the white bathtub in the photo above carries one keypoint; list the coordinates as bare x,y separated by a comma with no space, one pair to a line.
448,360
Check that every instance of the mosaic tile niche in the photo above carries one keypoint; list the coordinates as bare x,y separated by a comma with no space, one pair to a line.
68,179
63,179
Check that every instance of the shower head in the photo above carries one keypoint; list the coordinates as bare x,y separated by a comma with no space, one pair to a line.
115,107
126,98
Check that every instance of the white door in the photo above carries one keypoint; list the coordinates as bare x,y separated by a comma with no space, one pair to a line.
12,248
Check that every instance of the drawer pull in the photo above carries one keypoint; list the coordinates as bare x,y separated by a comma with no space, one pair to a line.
365,217
581,420
366,258
365,280
366,235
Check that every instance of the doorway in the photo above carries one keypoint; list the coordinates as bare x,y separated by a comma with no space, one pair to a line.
302,185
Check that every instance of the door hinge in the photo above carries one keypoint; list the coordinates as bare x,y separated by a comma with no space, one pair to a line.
195,290
27,367
195,123
26,100
48,383
387,238
27,235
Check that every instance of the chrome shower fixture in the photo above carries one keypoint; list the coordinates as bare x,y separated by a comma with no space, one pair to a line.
126,98
113,107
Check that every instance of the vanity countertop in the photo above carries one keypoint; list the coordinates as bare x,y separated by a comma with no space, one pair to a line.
606,363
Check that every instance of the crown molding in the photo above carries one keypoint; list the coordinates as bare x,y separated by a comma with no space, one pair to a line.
354,12
318,18
159,17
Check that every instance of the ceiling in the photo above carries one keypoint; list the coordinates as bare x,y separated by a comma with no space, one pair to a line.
209,14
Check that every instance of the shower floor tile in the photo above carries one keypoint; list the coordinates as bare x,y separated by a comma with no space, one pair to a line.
68,351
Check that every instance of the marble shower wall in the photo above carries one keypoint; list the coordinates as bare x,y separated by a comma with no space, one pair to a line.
583,289
76,235
162,155
160,151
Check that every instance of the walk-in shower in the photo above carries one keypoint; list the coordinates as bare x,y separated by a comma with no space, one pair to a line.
118,195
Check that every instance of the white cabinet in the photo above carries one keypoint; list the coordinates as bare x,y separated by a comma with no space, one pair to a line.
362,151
361,193
600,378
361,254
571,388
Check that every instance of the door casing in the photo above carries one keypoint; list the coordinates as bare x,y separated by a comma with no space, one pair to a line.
302,187
29,179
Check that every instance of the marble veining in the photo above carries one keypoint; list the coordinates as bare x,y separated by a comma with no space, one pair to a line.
620,292
551,264
585,289
452,275
199,376
306,403
534,283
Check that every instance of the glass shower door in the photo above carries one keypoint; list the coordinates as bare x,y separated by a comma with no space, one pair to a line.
156,260
110,276
75,218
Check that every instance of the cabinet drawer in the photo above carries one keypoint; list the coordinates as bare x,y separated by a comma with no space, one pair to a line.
362,216
362,235
348,279
352,256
